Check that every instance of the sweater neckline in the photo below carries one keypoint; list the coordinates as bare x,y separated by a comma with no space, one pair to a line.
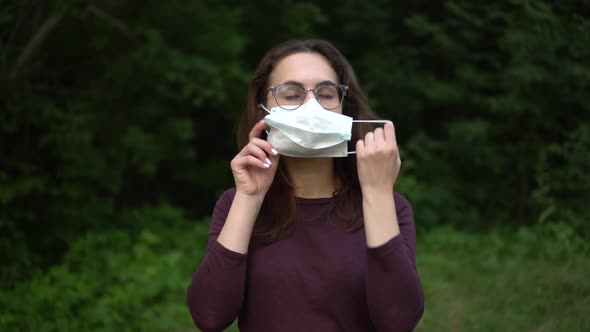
313,201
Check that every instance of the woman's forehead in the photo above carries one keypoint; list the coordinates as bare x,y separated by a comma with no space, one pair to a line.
309,69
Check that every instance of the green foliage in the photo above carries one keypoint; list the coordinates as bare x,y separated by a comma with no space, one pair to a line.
135,279
114,280
492,86
563,180
116,111
108,108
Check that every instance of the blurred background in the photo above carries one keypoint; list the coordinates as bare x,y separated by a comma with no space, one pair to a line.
117,125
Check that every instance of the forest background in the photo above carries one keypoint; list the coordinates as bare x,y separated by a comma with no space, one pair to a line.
117,125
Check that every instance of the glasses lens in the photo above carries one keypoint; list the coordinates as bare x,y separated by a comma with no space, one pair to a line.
290,96
329,96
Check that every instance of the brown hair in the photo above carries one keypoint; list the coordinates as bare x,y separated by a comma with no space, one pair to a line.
278,215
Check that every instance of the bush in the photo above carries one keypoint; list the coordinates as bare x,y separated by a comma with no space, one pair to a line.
114,280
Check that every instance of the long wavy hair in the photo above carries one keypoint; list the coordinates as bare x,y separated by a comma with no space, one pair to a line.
278,215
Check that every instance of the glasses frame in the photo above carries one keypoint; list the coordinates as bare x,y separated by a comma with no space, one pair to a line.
342,88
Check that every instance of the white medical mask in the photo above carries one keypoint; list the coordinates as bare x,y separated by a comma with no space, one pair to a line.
310,131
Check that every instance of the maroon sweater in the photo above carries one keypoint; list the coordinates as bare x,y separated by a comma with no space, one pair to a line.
322,278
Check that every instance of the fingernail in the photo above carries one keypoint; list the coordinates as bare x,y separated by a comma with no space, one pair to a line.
266,165
268,161
275,152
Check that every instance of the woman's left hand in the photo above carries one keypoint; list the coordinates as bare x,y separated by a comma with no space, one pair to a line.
378,160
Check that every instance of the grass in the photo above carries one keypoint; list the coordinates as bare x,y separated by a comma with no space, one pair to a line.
495,282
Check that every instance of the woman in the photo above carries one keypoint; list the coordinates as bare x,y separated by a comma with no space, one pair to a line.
310,239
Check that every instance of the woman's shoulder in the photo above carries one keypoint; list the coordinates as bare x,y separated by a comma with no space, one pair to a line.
221,210
229,193
227,197
404,210
401,200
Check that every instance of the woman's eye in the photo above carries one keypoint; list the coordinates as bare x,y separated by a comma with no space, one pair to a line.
326,96
327,92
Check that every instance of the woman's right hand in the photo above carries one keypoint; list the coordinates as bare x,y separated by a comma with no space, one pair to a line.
255,166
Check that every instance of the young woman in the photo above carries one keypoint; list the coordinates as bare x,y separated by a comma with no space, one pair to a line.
311,238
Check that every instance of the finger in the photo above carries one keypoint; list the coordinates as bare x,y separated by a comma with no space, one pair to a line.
253,150
264,145
360,147
389,132
250,160
274,159
379,138
257,130
369,140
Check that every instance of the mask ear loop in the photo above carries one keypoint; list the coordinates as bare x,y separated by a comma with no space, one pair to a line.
264,108
367,121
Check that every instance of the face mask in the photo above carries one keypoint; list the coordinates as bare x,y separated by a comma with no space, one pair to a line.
310,131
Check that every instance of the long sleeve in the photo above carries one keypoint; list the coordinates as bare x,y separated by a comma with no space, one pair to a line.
394,293
216,291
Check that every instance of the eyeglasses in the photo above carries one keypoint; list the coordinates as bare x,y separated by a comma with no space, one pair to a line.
291,96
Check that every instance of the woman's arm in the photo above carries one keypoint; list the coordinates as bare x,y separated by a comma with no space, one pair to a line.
394,294
381,224
253,168
216,292
395,297
237,230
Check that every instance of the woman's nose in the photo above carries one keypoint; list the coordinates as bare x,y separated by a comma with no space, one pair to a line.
308,95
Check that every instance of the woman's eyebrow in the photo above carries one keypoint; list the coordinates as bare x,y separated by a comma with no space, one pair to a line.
326,82
293,83
303,86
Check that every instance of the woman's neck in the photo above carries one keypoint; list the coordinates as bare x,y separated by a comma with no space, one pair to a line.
311,177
